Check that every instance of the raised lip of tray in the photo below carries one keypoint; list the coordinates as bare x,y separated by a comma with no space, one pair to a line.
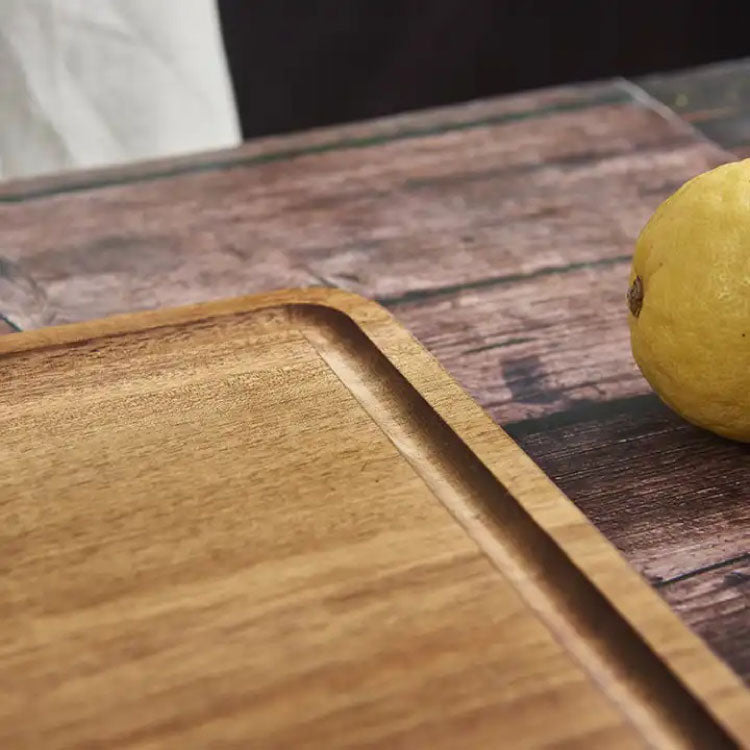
659,673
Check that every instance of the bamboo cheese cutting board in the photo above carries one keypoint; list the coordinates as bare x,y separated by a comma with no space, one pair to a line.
276,522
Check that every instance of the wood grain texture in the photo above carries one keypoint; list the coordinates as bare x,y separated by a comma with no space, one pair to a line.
556,371
534,345
410,125
499,232
716,604
685,489
406,591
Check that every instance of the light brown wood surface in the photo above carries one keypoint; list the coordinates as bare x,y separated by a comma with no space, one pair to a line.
277,522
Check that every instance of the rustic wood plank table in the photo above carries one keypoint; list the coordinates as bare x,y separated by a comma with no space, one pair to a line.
500,233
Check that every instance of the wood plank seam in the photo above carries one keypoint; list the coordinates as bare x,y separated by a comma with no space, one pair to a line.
660,584
493,281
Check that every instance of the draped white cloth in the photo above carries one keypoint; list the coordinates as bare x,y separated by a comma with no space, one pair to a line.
87,83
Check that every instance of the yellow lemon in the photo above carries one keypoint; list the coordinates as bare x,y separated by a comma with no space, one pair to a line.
689,300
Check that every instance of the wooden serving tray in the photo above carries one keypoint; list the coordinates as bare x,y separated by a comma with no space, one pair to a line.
276,522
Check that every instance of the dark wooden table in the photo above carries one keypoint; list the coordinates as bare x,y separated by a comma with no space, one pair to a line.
500,232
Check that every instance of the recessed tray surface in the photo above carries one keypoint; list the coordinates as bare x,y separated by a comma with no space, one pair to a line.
277,522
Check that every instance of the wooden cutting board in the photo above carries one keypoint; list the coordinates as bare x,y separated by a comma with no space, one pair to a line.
276,522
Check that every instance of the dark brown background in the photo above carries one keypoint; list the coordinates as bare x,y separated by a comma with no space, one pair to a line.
303,63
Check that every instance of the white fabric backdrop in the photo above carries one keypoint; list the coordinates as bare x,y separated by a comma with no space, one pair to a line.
92,82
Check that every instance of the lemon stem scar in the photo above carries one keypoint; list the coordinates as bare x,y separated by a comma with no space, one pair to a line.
635,296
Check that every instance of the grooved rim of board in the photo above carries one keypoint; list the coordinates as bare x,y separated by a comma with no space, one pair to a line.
660,675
